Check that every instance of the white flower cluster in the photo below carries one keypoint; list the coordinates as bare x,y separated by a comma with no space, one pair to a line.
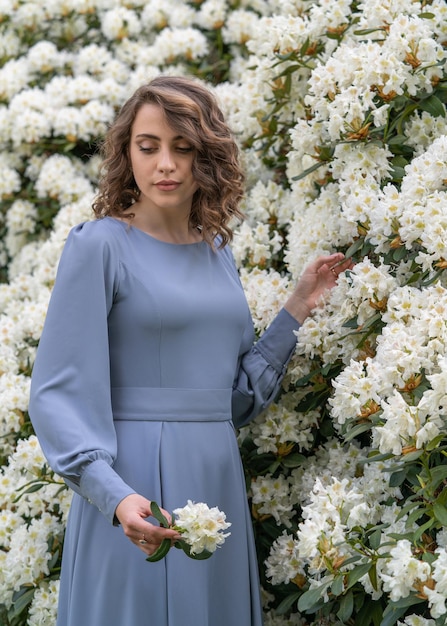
284,562
322,544
414,340
272,497
266,292
416,620
20,220
403,572
44,607
357,296
24,554
350,91
29,518
279,426
201,526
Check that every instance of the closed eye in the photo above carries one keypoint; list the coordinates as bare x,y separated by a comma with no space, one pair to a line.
182,150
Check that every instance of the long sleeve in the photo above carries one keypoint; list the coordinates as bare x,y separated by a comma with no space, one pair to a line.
262,368
70,400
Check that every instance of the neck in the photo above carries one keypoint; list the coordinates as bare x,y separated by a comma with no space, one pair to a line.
175,230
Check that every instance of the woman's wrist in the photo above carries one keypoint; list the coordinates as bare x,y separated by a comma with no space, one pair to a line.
298,308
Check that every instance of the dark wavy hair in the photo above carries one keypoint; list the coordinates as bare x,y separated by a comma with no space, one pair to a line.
192,111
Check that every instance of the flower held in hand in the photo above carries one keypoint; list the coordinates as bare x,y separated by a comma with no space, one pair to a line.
201,527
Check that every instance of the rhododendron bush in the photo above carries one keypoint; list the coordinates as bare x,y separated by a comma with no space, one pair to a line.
339,111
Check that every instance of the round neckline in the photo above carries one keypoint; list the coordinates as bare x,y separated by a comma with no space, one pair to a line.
129,226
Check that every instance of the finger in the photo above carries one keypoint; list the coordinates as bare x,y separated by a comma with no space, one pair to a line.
343,263
150,534
327,260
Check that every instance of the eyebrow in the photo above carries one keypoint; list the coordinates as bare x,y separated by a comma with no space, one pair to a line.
149,136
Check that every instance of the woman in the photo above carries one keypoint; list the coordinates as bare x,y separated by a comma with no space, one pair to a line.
146,364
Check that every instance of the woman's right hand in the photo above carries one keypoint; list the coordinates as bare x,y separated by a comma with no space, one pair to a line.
132,512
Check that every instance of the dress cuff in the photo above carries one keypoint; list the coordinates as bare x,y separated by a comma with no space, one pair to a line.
104,488
278,342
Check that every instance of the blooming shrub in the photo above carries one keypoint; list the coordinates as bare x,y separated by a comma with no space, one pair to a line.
339,110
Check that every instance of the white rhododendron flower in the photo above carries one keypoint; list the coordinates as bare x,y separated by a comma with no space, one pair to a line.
201,527
43,608
416,620
62,178
403,570
272,497
284,562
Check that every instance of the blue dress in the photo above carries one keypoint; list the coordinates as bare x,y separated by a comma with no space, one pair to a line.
146,365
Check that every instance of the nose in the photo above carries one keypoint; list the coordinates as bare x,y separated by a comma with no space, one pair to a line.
166,162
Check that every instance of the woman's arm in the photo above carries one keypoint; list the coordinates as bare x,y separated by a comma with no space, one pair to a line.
262,366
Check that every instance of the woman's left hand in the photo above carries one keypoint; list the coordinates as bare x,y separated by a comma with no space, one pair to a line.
320,275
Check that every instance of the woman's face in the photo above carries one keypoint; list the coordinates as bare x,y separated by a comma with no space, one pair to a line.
162,163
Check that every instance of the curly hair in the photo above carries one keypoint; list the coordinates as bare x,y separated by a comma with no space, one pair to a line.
192,111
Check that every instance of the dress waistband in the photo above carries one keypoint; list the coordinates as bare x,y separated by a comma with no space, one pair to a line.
171,404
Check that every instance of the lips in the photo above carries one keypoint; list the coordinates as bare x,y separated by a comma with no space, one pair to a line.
167,185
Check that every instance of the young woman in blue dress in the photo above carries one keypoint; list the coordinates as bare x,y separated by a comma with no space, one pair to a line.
147,364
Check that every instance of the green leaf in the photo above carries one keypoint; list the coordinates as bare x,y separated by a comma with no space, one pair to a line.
33,488
442,498
399,161
326,153
401,252
394,610
397,174
346,607
433,106
53,561
159,515
312,597
413,456
352,559
200,556
368,31
421,530
438,475
287,603
338,586
433,277
397,478
373,576
160,552
440,513
355,247
374,456
406,602
417,514
21,600
352,323
406,509
357,430
374,539
309,170
368,612
293,460
434,443
391,615
372,320
358,572
397,140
